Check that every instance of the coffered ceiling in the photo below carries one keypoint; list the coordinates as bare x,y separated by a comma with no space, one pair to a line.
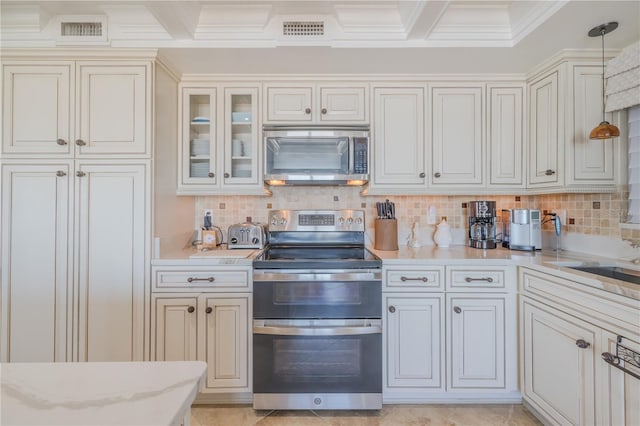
260,36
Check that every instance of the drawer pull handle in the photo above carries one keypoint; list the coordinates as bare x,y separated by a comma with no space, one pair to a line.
423,279
457,309
191,309
192,279
582,344
487,279
392,309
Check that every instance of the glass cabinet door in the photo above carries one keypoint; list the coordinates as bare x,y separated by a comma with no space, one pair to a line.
241,136
198,136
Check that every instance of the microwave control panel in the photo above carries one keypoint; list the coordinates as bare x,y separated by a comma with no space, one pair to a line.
361,156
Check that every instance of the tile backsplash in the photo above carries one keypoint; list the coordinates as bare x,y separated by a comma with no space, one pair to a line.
591,214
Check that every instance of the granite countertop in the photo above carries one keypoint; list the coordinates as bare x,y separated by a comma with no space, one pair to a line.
99,393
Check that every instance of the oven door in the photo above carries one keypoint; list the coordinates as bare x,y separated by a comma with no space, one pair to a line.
330,364
317,294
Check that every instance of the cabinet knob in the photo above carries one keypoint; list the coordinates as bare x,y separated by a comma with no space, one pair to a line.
307,111
422,175
80,173
323,110
211,174
226,174
437,174
60,173
209,310
549,172
392,309
191,309
457,309
61,142
80,142
582,344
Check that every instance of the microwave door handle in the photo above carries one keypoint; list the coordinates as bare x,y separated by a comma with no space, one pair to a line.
317,331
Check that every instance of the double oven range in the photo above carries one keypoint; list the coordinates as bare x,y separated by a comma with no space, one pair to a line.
317,305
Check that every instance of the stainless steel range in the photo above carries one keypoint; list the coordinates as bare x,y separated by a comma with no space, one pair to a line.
317,306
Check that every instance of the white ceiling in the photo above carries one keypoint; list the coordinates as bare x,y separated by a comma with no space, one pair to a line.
358,36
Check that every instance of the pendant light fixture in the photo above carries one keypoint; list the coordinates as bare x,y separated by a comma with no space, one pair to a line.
604,130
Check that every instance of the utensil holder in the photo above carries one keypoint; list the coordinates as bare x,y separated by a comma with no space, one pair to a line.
386,237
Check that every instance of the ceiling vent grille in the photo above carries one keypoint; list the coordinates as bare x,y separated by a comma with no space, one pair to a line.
303,28
81,29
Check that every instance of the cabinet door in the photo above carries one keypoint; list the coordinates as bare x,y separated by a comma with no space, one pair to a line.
225,345
37,109
505,137
589,161
457,135
198,156
545,132
559,364
398,138
241,148
343,104
413,331
175,335
112,250
113,110
619,393
289,104
476,342
36,294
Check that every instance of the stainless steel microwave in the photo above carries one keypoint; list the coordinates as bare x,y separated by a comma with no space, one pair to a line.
296,155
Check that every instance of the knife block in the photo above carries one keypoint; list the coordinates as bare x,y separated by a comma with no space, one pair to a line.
386,234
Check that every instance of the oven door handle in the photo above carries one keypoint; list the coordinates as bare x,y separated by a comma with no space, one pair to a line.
317,331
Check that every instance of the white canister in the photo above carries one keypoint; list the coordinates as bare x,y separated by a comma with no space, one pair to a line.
443,235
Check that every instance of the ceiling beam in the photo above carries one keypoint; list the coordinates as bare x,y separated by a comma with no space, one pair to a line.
179,19
426,19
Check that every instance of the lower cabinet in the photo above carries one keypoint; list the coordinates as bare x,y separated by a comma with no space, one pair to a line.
207,324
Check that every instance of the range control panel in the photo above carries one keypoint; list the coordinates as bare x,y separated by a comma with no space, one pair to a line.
316,220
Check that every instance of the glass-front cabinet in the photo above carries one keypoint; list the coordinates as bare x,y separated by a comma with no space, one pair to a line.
220,150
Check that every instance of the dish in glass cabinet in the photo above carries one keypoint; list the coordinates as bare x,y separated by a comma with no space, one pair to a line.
200,120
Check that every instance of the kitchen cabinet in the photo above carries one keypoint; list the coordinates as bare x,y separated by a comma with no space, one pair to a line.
398,136
204,313
330,103
220,152
457,136
566,327
68,108
90,232
546,130
505,124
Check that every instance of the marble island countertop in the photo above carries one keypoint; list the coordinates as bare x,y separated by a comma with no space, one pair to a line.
98,393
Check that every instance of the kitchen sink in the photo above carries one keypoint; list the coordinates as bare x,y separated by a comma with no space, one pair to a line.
616,272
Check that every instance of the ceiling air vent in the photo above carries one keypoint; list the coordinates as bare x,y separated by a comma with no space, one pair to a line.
303,28
81,29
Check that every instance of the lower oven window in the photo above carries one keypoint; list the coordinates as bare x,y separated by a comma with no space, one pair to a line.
303,364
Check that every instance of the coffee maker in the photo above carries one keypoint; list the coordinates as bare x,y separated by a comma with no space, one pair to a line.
482,224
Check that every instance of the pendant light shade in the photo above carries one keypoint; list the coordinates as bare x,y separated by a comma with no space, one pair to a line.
604,130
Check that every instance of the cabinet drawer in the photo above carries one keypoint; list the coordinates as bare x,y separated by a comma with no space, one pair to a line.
428,279
200,280
476,277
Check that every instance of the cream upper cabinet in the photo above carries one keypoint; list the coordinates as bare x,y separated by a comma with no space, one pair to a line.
37,221
589,162
505,142
339,103
398,136
546,130
82,109
112,254
37,108
457,139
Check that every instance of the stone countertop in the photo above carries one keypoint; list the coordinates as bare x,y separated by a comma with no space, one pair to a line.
99,393
545,261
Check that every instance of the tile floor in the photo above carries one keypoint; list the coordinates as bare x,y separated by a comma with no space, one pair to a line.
390,415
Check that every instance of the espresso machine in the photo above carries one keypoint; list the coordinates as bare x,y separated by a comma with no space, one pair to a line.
482,224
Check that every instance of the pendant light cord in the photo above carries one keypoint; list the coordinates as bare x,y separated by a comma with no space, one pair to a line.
602,33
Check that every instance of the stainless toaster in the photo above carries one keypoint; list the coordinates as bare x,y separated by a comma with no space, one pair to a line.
246,235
